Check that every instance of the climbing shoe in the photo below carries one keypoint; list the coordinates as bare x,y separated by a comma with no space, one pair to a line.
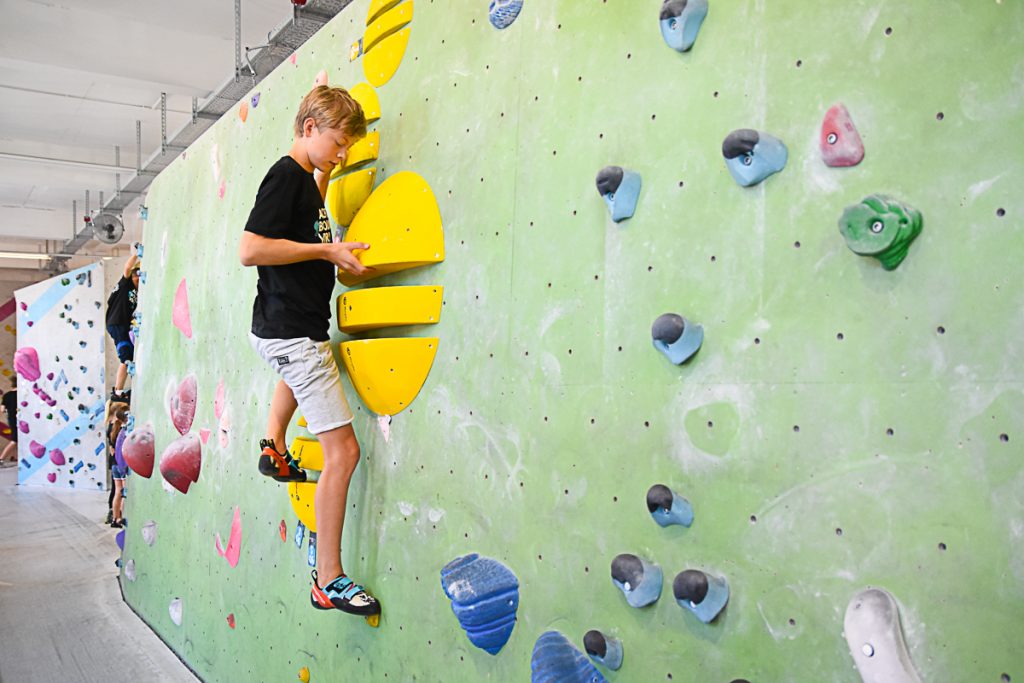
343,594
279,467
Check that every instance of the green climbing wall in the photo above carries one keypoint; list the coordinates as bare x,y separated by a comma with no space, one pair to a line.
842,426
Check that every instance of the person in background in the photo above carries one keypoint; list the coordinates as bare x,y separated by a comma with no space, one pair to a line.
10,399
118,469
120,307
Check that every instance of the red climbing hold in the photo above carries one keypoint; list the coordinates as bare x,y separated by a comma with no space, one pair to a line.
139,450
840,142
183,405
231,620
181,461
180,315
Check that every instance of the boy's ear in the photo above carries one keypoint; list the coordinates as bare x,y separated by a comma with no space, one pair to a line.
307,126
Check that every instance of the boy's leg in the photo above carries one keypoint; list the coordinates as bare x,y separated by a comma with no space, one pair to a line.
341,454
11,450
282,408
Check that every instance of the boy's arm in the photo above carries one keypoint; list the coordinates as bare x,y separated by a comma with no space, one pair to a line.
256,250
130,263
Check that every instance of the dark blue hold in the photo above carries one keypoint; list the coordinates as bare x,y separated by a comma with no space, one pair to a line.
556,660
485,597
503,12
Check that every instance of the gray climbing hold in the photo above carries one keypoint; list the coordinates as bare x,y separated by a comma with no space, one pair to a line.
873,632
667,507
639,580
603,649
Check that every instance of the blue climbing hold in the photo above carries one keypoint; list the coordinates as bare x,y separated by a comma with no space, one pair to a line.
701,593
503,12
676,337
680,22
603,649
752,156
556,660
620,189
485,597
667,507
638,579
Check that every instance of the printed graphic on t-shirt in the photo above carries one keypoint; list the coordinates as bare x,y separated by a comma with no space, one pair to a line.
323,226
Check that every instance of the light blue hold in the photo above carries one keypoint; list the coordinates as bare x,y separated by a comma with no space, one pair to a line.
300,532
676,337
751,156
681,21
639,580
485,598
620,190
701,593
667,507
603,649
556,660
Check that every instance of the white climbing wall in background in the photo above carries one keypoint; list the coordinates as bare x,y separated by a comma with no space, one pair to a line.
59,361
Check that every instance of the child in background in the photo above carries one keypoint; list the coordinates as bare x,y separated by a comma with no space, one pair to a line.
118,467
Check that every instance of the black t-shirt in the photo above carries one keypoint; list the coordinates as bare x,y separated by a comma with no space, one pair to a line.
292,300
121,303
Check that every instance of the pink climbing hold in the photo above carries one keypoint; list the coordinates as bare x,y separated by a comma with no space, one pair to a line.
51,477
218,400
290,59
283,528
37,449
180,315
57,457
234,541
204,435
220,195
840,142
23,426
231,620
321,78
183,405
181,461
26,363
139,450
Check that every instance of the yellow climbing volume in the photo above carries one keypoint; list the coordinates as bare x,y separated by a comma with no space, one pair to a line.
389,373
402,224
370,309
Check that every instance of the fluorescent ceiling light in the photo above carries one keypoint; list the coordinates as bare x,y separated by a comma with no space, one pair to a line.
24,255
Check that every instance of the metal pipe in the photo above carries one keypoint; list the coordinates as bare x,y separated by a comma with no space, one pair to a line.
91,165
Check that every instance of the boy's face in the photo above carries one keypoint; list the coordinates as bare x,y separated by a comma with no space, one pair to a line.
327,147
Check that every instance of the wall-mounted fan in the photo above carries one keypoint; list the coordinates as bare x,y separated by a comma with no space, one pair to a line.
107,228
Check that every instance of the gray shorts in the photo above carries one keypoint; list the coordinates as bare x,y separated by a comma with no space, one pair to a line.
309,370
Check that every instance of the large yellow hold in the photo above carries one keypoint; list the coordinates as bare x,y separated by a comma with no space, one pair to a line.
389,373
310,454
402,224
377,307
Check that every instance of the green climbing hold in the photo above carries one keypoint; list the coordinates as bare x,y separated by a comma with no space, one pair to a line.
882,227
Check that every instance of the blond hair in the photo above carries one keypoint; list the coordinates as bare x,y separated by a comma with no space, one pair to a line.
332,108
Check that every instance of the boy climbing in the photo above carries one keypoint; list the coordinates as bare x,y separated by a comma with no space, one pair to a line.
120,307
288,239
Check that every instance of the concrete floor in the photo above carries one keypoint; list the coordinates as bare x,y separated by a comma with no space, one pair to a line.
62,617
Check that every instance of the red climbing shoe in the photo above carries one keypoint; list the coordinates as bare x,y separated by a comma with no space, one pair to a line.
279,467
